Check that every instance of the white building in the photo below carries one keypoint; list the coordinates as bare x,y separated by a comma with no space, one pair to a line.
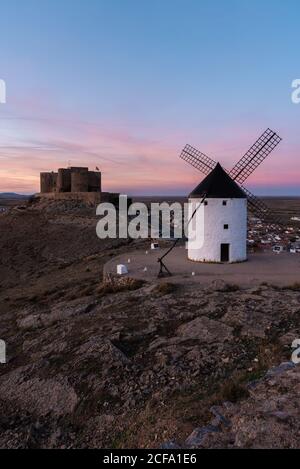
217,231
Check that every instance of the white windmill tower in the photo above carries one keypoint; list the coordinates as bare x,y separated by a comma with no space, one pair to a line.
218,231
217,228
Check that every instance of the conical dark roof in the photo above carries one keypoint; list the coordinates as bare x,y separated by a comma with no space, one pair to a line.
217,185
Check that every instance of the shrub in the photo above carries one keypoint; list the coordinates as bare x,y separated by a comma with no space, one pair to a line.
233,391
165,288
116,285
231,287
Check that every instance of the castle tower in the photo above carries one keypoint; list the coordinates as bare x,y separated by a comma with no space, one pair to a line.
48,182
64,180
217,231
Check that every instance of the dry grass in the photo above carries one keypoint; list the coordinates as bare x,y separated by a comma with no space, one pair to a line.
115,285
227,288
294,287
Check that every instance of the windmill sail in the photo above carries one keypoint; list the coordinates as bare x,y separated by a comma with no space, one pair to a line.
198,159
263,146
260,209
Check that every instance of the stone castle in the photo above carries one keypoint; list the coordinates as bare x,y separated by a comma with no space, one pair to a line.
74,183
73,179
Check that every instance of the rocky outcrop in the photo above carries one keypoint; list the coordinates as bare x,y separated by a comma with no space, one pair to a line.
268,418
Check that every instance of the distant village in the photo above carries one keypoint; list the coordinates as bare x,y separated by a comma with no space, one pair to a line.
264,236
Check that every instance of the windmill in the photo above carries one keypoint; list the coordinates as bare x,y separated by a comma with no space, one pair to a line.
225,188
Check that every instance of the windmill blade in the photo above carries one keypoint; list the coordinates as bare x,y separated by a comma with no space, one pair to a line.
260,209
205,164
263,146
197,159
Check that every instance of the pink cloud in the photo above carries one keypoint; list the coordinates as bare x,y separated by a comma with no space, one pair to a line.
130,159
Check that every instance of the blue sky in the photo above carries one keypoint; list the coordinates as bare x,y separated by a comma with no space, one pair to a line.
124,85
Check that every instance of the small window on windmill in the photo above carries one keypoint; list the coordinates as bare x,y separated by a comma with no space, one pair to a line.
226,227
224,202
154,246
205,203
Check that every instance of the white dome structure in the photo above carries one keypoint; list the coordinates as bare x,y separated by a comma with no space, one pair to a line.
217,231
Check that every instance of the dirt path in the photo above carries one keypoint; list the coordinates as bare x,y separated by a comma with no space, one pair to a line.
276,269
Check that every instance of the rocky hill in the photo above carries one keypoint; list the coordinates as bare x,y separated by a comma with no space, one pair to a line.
120,364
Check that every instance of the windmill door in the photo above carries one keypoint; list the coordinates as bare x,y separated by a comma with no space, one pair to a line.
224,252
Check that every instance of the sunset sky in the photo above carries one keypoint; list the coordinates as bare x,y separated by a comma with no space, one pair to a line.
125,84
